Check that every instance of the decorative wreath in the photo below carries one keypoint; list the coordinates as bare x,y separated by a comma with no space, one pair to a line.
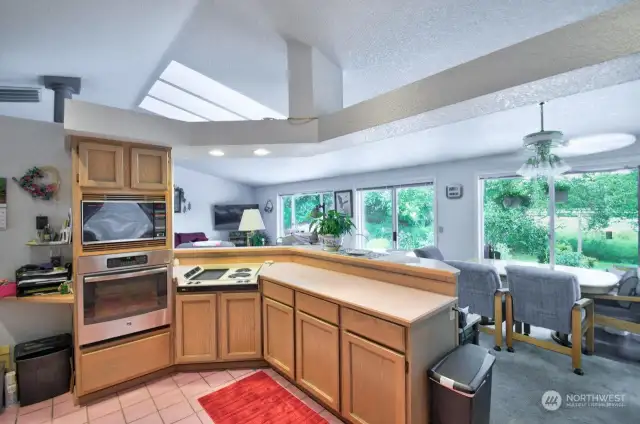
29,183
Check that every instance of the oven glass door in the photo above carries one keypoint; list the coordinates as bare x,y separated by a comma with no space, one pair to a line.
115,296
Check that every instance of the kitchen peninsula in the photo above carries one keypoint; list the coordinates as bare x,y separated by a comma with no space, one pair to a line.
357,335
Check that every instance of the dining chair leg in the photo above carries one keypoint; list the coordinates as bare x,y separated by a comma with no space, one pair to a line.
591,322
509,304
497,315
576,340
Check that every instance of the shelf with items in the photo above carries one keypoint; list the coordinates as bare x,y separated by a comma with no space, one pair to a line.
34,243
44,298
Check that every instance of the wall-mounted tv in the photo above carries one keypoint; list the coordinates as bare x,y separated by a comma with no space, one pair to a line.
227,217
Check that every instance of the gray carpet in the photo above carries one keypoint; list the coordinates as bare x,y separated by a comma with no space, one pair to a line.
520,379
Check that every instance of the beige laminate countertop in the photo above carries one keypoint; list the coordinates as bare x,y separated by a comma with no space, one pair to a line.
403,305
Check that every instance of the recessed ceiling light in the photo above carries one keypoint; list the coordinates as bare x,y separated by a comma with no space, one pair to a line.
261,152
216,152
597,143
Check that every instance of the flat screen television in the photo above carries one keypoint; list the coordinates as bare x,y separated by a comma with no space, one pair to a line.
227,217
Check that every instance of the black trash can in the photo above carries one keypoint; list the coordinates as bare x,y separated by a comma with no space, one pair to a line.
43,368
461,386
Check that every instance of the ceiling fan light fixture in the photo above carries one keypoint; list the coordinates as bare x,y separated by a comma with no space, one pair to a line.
543,163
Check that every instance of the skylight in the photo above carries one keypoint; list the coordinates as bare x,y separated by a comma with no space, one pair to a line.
164,109
200,98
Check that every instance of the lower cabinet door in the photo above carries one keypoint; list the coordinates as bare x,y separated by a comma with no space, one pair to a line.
196,328
277,324
373,382
240,326
318,358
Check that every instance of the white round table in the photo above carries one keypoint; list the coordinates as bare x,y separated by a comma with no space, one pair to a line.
592,281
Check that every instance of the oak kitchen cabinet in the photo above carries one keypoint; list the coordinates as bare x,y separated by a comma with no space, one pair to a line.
318,358
149,169
240,318
103,367
196,328
362,348
278,335
101,165
373,382
121,166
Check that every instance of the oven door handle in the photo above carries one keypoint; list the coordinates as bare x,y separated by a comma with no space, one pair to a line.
111,277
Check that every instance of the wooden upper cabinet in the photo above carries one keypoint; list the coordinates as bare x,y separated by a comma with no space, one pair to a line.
149,169
318,358
100,165
373,382
240,330
277,324
196,331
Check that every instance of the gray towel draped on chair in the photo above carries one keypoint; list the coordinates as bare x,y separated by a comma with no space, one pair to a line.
543,297
429,252
477,285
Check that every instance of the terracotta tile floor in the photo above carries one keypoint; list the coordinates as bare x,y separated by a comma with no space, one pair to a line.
170,400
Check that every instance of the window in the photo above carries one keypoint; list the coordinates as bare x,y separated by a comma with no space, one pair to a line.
516,220
399,217
296,210
187,95
595,219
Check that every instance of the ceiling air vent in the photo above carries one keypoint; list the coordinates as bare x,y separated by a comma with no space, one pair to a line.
19,95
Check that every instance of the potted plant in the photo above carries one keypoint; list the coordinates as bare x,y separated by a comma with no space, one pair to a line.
515,197
561,190
331,229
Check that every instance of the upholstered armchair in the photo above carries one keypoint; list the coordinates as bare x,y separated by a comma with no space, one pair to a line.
549,299
480,289
429,252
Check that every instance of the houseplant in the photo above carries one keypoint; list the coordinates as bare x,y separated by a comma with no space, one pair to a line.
561,190
513,197
331,228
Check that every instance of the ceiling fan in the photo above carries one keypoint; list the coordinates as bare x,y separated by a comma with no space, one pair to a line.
543,162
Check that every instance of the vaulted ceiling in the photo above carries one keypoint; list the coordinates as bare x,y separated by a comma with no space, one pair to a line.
120,47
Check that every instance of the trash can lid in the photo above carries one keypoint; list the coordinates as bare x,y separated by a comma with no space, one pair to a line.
41,347
464,369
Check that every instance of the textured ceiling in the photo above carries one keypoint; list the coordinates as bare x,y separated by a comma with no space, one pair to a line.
113,45
612,109
383,44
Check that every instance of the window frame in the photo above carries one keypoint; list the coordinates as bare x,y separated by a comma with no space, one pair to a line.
280,207
359,212
551,208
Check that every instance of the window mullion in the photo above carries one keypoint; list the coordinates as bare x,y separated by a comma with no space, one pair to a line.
552,222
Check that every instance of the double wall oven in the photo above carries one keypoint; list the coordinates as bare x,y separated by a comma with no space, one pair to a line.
122,294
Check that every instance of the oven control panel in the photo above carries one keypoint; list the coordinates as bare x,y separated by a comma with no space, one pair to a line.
127,261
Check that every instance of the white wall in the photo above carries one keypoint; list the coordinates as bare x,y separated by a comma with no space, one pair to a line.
458,219
203,191
24,144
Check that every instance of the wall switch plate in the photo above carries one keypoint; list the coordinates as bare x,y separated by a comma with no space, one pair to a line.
440,229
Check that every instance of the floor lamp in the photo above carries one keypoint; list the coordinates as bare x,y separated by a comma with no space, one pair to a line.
251,221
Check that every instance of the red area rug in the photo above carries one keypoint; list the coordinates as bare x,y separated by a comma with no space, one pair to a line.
257,399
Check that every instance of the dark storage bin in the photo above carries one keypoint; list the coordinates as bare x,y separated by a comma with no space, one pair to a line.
2,401
461,386
43,368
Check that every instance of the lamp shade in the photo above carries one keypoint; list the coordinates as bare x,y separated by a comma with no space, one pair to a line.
251,220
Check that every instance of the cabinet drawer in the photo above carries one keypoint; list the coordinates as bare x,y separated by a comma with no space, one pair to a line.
277,292
317,307
116,364
373,328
